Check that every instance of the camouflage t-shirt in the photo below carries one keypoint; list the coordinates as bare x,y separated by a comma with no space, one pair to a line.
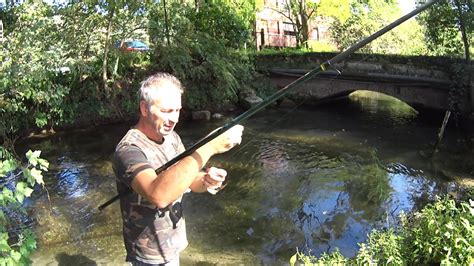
149,235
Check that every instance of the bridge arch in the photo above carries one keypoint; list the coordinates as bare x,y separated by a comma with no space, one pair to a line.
416,80
321,88
378,96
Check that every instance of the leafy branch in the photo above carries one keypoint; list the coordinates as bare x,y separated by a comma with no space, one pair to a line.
17,184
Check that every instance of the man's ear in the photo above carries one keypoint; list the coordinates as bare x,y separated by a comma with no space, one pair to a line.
143,109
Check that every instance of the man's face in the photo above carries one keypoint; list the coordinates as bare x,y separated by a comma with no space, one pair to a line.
163,114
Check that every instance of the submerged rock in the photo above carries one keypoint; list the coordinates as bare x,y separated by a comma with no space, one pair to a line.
251,101
201,115
217,116
286,103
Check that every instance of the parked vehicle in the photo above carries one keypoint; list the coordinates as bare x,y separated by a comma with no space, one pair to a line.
132,46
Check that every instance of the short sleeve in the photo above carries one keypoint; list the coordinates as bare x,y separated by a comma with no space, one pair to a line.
128,161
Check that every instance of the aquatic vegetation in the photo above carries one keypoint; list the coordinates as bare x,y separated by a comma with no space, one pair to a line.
366,181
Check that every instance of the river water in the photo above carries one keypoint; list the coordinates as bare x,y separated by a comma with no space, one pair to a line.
314,179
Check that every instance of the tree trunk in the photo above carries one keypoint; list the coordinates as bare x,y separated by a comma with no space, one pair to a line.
106,48
462,28
166,24
467,56
304,25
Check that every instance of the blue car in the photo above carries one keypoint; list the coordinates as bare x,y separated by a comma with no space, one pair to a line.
132,46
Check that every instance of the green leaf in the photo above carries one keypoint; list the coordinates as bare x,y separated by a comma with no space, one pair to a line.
7,194
38,176
447,234
15,255
450,226
8,261
466,223
20,187
30,242
44,164
4,247
21,191
293,259
24,251
41,119
28,154
33,157
7,166
27,174
28,191
19,197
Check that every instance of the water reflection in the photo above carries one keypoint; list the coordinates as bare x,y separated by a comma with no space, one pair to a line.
379,107
319,180
70,183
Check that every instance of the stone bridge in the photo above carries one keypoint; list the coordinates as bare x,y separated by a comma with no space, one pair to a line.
417,81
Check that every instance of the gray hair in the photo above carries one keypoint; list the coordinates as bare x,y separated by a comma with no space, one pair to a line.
149,87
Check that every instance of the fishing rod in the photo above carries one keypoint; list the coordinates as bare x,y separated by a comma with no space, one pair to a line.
280,93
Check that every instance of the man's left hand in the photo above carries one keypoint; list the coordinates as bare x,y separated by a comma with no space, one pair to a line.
213,179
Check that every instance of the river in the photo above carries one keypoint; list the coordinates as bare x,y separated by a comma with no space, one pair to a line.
313,179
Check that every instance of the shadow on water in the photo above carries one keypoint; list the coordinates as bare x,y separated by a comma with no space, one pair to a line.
64,259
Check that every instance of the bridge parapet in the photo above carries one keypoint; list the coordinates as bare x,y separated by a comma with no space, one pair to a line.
408,70
417,66
417,80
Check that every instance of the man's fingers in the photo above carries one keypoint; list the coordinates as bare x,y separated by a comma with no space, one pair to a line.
216,174
235,135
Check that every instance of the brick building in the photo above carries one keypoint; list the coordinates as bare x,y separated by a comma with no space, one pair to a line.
273,29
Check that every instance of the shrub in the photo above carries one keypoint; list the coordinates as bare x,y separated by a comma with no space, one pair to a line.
441,233
382,248
334,258
16,183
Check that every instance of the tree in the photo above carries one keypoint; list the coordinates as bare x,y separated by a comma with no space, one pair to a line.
366,17
202,50
121,19
31,56
449,25
300,12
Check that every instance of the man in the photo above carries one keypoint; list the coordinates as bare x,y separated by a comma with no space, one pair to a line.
153,226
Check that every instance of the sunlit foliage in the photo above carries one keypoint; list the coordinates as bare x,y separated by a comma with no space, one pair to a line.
17,183
441,233
369,16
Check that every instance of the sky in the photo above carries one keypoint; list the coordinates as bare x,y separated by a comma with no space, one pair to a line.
407,5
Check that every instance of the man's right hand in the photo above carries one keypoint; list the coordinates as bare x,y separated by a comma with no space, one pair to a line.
226,140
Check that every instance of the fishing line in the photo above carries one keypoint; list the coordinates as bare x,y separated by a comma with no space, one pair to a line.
273,124
256,133
280,93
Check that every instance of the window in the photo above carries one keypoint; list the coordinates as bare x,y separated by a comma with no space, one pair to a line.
288,29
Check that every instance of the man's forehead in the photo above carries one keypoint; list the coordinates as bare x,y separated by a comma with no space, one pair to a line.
166,87
168,97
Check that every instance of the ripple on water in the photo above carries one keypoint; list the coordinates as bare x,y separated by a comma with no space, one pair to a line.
299,184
